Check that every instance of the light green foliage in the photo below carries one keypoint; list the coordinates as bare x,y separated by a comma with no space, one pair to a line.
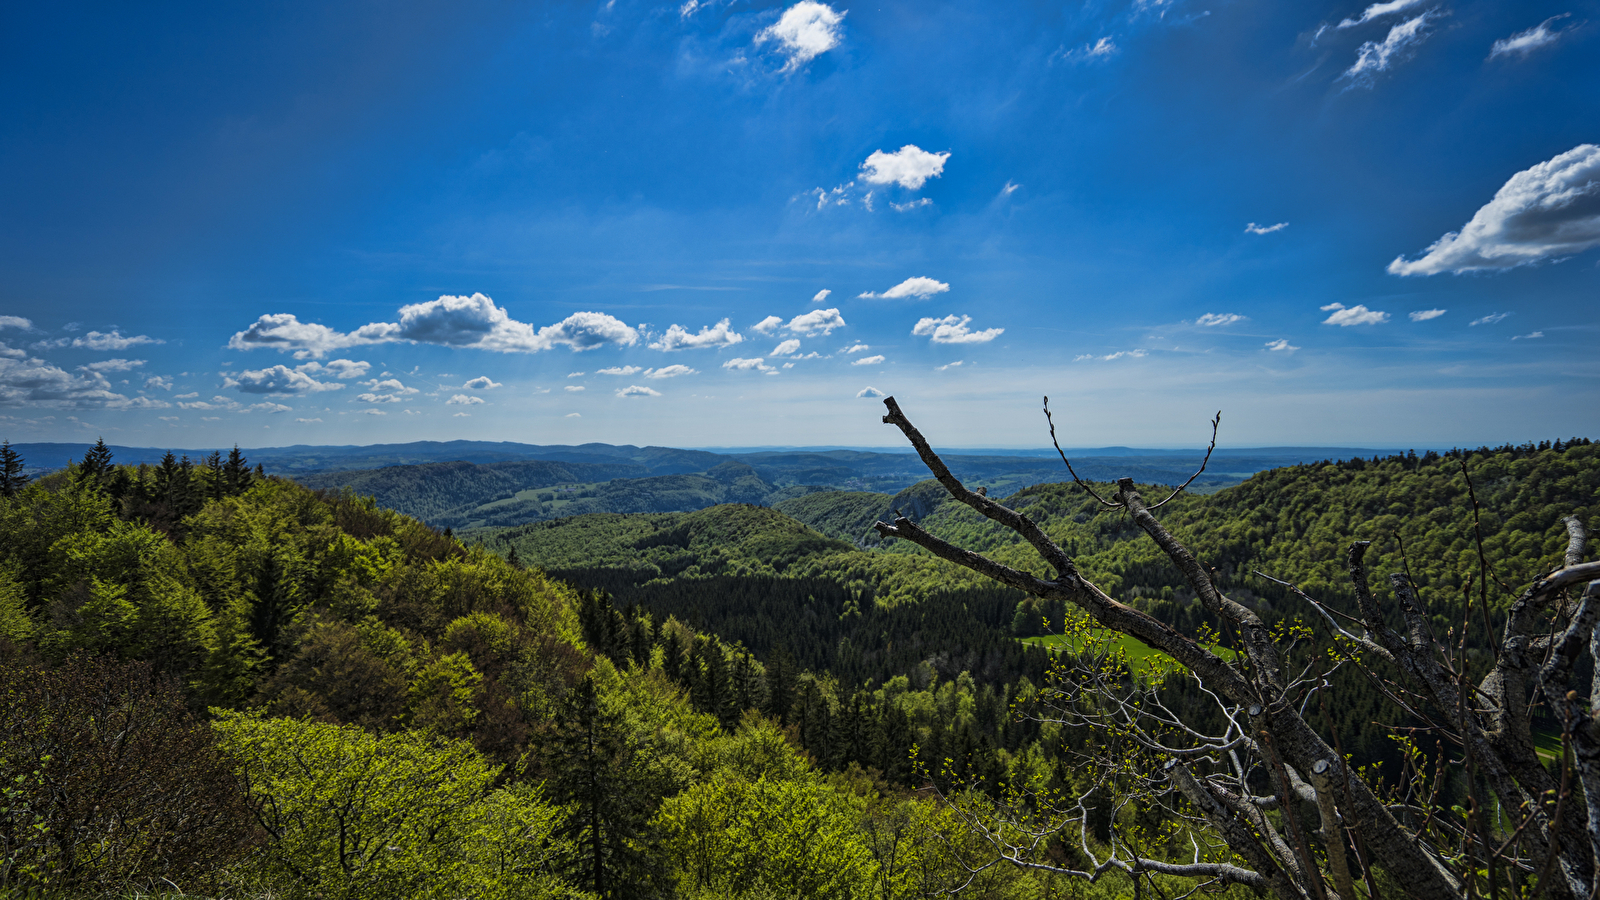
122,591
442,694
15,623
352,815
796,837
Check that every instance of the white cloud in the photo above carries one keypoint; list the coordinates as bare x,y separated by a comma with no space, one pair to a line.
871,393
1131,354
307,421
270,408
820,296
16,322
1211,320
576,374
759,364
769,324
1490,319
671,372
27,381
1548,211
95,340
1355,315
634,390
460,415
919,287
345,369
113,365
1103,49
278,379
463,400
857,348
474,322
373,412
217,402
805,31
868,361
1281,345
786,348
949,365
481,383
910,167
1379,10
392,385
189,396
953,330
1253,228
1378,56
158,382
377,398
910,204
818,321
574,388
1423,315
574,415
1525,42
620,370
1532,335
1011,187
679,338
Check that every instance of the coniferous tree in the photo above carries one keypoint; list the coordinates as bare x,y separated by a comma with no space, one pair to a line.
594,765
96,464
11,477
236,472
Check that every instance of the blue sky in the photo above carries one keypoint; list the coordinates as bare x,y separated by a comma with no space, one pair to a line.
733,223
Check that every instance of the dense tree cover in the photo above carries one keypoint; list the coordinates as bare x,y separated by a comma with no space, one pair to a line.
323,698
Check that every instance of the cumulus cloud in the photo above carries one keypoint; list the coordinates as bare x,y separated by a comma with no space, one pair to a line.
481,383
474,322
871,393
307,421
217,402
94,340
389,384
868,361
857,348
1378,56
17,322
1253,228
463,400
949,365
818,321
575,374
1490,319
1423,315
1525,42
158,382
1131,354
769,324
920,288
1281,345
805,31
619,370
574,388
1339,314
1548,211
268,407
820,296
377,398
786,348
1211,320
344,369
758,364
679,338
671,372
910,167
28,381
279,379
1379,10
635,390
953,330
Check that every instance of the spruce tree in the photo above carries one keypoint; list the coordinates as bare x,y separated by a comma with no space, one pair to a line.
11,477
96,464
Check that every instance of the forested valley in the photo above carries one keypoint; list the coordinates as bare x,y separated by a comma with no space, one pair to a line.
220,682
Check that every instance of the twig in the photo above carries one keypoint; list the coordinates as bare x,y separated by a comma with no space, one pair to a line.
1215,421
1080,482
